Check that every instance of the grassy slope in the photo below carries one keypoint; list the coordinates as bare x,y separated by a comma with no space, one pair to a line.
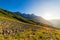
15,16
14,29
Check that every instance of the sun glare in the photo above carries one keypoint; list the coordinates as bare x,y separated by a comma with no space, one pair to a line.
47,16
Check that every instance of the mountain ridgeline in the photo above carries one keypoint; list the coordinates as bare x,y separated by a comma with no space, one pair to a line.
37,19
19,26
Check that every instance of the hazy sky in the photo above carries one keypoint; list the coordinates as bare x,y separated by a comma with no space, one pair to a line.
48,9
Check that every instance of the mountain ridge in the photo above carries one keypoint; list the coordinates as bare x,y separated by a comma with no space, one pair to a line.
35,18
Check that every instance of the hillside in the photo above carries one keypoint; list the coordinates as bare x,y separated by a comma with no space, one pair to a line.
16,27
14,16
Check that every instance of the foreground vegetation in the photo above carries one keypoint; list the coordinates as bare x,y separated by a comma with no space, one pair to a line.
10,30
30,34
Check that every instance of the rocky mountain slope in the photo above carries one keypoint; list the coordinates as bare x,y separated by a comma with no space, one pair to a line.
35,18
16,27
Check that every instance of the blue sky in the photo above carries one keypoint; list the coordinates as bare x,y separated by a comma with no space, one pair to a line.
48,9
